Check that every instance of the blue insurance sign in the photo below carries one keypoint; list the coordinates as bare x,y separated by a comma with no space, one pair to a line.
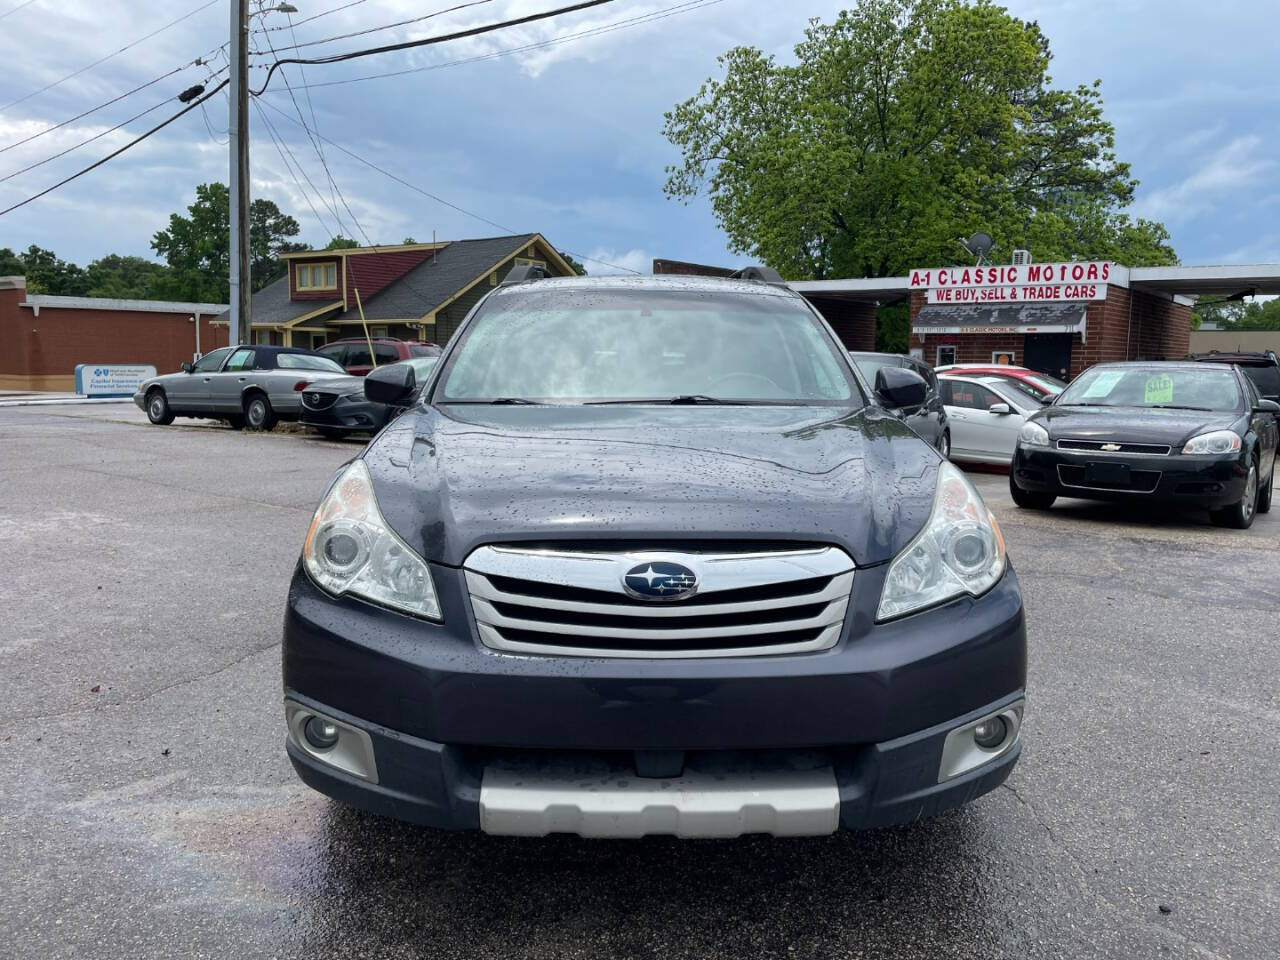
111,379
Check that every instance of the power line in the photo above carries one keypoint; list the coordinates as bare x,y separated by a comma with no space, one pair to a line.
16,9
276,142
662,14
127,46
82,143
317,16
315,144
209,126
427,41
437,199
101,106
115,153
369,30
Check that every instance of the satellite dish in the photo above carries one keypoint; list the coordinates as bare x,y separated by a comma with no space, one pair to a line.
979,244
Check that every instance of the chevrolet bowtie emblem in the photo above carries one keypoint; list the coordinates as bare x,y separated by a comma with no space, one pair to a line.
1111,447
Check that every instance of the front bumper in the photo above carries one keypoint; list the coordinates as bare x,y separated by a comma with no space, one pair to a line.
439,708
357,415
464,788
1205,481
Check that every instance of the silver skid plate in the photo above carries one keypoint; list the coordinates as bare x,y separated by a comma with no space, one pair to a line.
711,799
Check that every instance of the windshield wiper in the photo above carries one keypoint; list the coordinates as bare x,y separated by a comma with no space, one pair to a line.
682,398
496,401
1174,406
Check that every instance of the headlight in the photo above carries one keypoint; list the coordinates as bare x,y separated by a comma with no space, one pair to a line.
351,549
960,550
1220,441
1033,435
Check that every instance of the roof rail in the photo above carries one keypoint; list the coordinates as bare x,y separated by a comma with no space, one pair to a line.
526,274
763,274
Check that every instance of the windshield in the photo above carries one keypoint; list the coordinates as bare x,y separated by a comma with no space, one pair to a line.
304,361
645,345
1015,394
1201,388
869,366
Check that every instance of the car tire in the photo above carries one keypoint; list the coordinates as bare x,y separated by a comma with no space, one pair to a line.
158,411
1030,499
1264,493
944,445
1239,515
236,422
258,414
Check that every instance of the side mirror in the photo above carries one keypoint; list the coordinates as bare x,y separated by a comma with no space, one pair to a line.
393,385
186,366
1267,406
900,388
1003,409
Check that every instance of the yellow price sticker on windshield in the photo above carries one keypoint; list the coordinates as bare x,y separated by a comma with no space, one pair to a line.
1159,389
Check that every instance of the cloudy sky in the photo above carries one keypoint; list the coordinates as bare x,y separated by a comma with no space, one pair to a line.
565,138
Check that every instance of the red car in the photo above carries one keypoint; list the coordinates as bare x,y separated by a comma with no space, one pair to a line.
1035,384
352,354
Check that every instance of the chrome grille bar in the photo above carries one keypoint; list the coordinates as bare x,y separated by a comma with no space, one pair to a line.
518,612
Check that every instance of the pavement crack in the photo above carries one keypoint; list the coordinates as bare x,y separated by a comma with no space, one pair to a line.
1035,814
150,695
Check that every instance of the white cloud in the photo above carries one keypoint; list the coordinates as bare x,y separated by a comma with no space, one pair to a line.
1228,171
604,262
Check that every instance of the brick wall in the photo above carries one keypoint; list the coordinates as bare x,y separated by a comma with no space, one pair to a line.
41,352
854,323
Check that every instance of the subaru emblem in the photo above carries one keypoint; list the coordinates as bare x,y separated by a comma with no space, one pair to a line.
660,580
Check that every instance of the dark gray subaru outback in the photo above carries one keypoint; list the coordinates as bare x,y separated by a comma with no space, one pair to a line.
647,556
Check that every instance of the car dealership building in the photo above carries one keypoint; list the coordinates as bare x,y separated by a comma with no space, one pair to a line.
1058,318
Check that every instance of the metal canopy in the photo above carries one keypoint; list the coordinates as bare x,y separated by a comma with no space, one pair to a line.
1067,317
1247,279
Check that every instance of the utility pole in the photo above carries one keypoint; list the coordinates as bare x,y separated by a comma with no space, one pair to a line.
241,285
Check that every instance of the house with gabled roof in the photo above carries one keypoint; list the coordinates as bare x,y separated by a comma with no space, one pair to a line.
417,291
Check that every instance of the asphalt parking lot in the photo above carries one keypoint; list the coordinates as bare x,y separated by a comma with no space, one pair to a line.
148,809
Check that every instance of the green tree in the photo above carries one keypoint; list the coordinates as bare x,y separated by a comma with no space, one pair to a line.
125,278
47,273
902,126
11,264
578,268
341,243
197,247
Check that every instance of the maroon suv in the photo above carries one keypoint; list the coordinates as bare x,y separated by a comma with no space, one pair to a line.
354,356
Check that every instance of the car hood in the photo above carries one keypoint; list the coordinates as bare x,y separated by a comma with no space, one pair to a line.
340,385
1135,424
450,480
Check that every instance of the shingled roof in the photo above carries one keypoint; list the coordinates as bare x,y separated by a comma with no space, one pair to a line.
436,279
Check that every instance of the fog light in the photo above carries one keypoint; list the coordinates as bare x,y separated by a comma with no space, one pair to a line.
989,734
321,734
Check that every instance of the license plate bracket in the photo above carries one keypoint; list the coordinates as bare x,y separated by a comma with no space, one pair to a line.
1107,474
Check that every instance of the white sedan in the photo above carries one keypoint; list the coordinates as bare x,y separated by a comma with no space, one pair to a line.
985,415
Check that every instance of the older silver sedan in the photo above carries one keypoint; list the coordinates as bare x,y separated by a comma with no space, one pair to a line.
248,385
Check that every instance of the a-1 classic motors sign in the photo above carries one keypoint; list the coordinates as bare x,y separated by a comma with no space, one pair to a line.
1017,283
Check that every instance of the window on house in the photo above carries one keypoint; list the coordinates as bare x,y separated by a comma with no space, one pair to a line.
317,276
1003,357
378,332
946,355
526,262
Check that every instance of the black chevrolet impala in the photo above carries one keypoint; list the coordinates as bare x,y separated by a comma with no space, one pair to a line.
1189,434
643,557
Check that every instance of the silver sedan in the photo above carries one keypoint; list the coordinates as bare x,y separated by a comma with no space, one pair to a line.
248,385
985,415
